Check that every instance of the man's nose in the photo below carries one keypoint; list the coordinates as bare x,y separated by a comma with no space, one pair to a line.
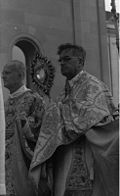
62,63
3,76
63,66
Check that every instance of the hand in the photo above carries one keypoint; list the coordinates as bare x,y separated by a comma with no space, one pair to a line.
21,116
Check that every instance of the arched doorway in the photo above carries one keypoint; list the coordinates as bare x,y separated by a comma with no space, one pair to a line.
24,49
17,54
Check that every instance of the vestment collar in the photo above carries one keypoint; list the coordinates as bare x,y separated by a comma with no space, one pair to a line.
18,92
73,80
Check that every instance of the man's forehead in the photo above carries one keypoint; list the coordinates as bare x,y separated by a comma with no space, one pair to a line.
9,66
67,52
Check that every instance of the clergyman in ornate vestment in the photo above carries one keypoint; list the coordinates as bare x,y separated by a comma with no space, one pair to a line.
23,107
79,135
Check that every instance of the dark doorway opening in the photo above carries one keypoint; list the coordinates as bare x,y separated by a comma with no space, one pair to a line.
25,49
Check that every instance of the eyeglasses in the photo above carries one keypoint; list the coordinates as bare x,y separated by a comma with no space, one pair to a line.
67,58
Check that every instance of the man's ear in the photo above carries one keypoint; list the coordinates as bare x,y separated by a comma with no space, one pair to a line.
20,75
81,61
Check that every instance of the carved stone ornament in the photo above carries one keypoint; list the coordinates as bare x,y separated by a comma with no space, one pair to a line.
43,73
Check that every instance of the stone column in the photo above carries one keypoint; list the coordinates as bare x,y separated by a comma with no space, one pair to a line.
90,32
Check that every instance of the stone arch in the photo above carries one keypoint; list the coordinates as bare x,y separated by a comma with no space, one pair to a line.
29,46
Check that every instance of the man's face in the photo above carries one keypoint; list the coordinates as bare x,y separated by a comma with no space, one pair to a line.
10,77
69,64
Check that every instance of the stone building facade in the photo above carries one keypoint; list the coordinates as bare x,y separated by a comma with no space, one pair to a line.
113,57
38,25
41,25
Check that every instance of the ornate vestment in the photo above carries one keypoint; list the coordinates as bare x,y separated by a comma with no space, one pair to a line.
63,136
27,108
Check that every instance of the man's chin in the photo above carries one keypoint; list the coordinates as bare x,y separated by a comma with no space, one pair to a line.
64,74
5,85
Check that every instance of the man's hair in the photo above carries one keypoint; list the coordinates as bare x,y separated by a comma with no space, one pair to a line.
76,50
19,67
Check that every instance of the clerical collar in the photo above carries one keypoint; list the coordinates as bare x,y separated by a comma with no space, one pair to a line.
73,80
20,91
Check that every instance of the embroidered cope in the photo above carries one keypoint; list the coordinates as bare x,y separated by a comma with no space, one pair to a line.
22,108
64,134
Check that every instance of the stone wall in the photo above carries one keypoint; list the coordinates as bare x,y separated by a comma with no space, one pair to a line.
49,23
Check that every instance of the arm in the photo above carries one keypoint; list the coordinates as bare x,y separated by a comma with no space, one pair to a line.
28,125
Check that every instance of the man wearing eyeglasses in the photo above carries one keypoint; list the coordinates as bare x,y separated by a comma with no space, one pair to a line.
79,133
